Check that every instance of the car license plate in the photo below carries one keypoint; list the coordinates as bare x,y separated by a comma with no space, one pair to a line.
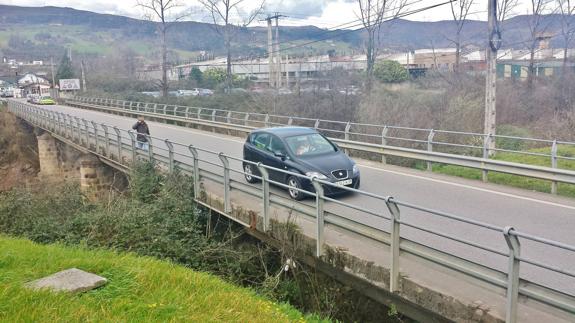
344,183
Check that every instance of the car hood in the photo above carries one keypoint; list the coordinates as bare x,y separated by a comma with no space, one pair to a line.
326,163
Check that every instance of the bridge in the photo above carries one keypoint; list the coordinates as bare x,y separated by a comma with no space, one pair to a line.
438,247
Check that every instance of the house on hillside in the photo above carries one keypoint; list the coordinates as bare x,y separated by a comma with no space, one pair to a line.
34,84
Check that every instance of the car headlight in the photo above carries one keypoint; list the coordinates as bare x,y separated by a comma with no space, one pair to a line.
355,169
316,175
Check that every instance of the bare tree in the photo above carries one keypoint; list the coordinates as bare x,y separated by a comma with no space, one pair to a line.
567,10
505,8
227,19
459,10
159,10
537,8
373,13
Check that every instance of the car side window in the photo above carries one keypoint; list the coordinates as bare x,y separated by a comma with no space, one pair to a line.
261,140
276,145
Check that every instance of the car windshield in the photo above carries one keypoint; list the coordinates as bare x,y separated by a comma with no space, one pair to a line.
311,144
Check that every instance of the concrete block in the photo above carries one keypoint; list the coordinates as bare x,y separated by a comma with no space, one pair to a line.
70,280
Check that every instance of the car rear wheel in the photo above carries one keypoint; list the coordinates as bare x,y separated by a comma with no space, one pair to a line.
295,194
250,173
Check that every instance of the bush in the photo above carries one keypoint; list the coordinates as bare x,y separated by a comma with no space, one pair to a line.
390,72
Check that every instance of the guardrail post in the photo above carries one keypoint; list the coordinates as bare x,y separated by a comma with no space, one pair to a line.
199,114
134,151
316,125
214,116
430,148
554,165
79,127
57,120
267,121
319,202
187,112
107,140
95,125
246,119
155,108
384,143
226,163
196,174
394,244
290,121
68,125
486,144
119,143
229,117
266,195
150,149
512,274
170,155
87,133
346,135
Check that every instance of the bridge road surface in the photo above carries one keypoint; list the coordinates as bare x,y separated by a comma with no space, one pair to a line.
530,212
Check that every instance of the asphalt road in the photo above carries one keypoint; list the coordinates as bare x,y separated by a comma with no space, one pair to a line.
535,213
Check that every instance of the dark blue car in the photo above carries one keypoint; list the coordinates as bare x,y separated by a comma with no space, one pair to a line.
299,150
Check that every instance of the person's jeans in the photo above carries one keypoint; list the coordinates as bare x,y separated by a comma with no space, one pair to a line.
143,145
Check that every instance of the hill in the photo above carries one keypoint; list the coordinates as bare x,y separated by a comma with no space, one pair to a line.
42,32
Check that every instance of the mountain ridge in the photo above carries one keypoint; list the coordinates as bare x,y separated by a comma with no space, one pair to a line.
101,33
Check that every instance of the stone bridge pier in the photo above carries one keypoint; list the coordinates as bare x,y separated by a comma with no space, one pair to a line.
61,162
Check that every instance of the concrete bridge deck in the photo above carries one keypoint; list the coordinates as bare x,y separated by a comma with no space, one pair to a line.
535,213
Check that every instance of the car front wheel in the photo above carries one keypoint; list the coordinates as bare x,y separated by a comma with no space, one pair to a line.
250,173
294,193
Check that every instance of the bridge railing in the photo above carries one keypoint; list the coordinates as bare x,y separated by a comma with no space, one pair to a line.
464,149
397,227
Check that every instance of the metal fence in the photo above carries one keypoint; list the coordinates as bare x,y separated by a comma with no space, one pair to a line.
432,146
119,147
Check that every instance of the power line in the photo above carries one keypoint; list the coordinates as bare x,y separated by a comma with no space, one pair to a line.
344,32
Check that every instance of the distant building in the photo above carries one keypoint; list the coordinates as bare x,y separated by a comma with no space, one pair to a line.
519,70
437,58
33,84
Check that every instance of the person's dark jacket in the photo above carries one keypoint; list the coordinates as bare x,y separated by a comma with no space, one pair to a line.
142,128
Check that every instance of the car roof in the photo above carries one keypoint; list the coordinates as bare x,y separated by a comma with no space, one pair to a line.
284,132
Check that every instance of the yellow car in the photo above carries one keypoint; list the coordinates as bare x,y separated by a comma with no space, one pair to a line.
46,100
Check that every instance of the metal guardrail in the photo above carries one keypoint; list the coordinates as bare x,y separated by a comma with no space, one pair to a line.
119,146
245,122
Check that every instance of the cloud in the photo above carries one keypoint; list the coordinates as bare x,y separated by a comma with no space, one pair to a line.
299,8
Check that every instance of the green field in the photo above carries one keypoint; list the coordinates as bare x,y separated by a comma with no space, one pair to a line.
139,290
519,181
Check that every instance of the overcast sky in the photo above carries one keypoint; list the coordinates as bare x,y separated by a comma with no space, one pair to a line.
321,13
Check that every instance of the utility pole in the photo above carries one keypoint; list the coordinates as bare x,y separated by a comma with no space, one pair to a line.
278,54
287,70
274,69
494,43
52,71
83,77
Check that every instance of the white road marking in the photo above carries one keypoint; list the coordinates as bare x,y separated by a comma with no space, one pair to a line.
202,133
471,187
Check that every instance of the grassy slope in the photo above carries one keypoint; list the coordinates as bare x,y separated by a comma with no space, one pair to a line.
518,181
84,40
138,290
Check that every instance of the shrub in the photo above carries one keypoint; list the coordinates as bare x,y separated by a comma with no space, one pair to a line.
390,72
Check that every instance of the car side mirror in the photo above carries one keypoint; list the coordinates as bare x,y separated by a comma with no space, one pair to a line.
280,154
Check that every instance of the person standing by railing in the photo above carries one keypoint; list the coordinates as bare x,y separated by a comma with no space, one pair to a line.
143,131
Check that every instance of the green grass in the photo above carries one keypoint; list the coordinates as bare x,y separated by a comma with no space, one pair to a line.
139,290
520,181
